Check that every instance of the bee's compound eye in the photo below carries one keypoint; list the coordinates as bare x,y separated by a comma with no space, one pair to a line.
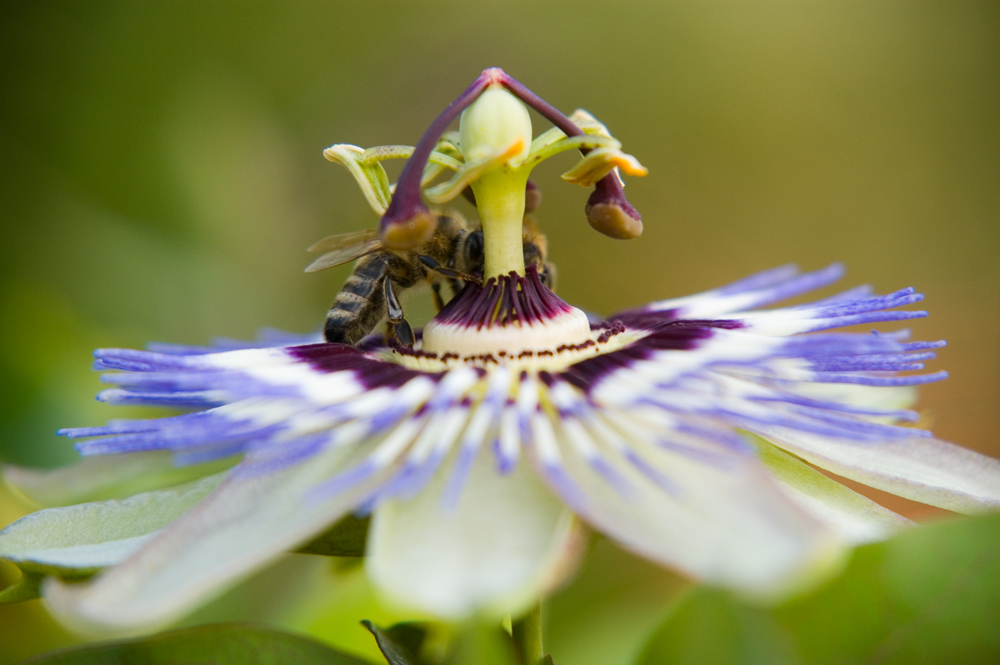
474,248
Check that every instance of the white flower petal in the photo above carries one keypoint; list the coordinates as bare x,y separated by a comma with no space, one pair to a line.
923,469
248,520
869,397
506,541
856,518
726,525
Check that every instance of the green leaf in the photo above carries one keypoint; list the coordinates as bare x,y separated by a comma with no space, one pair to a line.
76,541
927,596
346,538
708,626
469,643
103,477
208,645
401,643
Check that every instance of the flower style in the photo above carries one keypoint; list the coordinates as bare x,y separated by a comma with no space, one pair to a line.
680,429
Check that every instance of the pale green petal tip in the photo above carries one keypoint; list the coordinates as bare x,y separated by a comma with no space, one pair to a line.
70,543
856,518
246,522
922,469
98,534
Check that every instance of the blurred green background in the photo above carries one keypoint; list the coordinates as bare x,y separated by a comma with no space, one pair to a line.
162,175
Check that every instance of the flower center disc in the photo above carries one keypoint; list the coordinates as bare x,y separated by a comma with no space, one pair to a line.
512,316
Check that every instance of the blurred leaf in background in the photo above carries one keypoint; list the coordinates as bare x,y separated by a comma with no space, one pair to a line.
210,644
927,596
162,177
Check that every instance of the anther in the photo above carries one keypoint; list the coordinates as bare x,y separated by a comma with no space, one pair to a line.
609,212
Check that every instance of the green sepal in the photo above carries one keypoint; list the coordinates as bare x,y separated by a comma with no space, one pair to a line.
103,477
75,542
204,645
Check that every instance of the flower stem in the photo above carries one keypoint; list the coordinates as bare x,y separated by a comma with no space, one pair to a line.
527,634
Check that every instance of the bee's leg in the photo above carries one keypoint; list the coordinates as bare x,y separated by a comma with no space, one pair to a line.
448,272
398,324
436,290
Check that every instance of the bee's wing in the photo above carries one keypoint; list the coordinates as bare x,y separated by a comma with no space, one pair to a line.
344,248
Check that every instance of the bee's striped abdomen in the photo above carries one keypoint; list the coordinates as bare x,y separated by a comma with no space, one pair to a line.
360,304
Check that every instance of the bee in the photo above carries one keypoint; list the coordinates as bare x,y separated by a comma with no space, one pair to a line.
453,255
536,249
